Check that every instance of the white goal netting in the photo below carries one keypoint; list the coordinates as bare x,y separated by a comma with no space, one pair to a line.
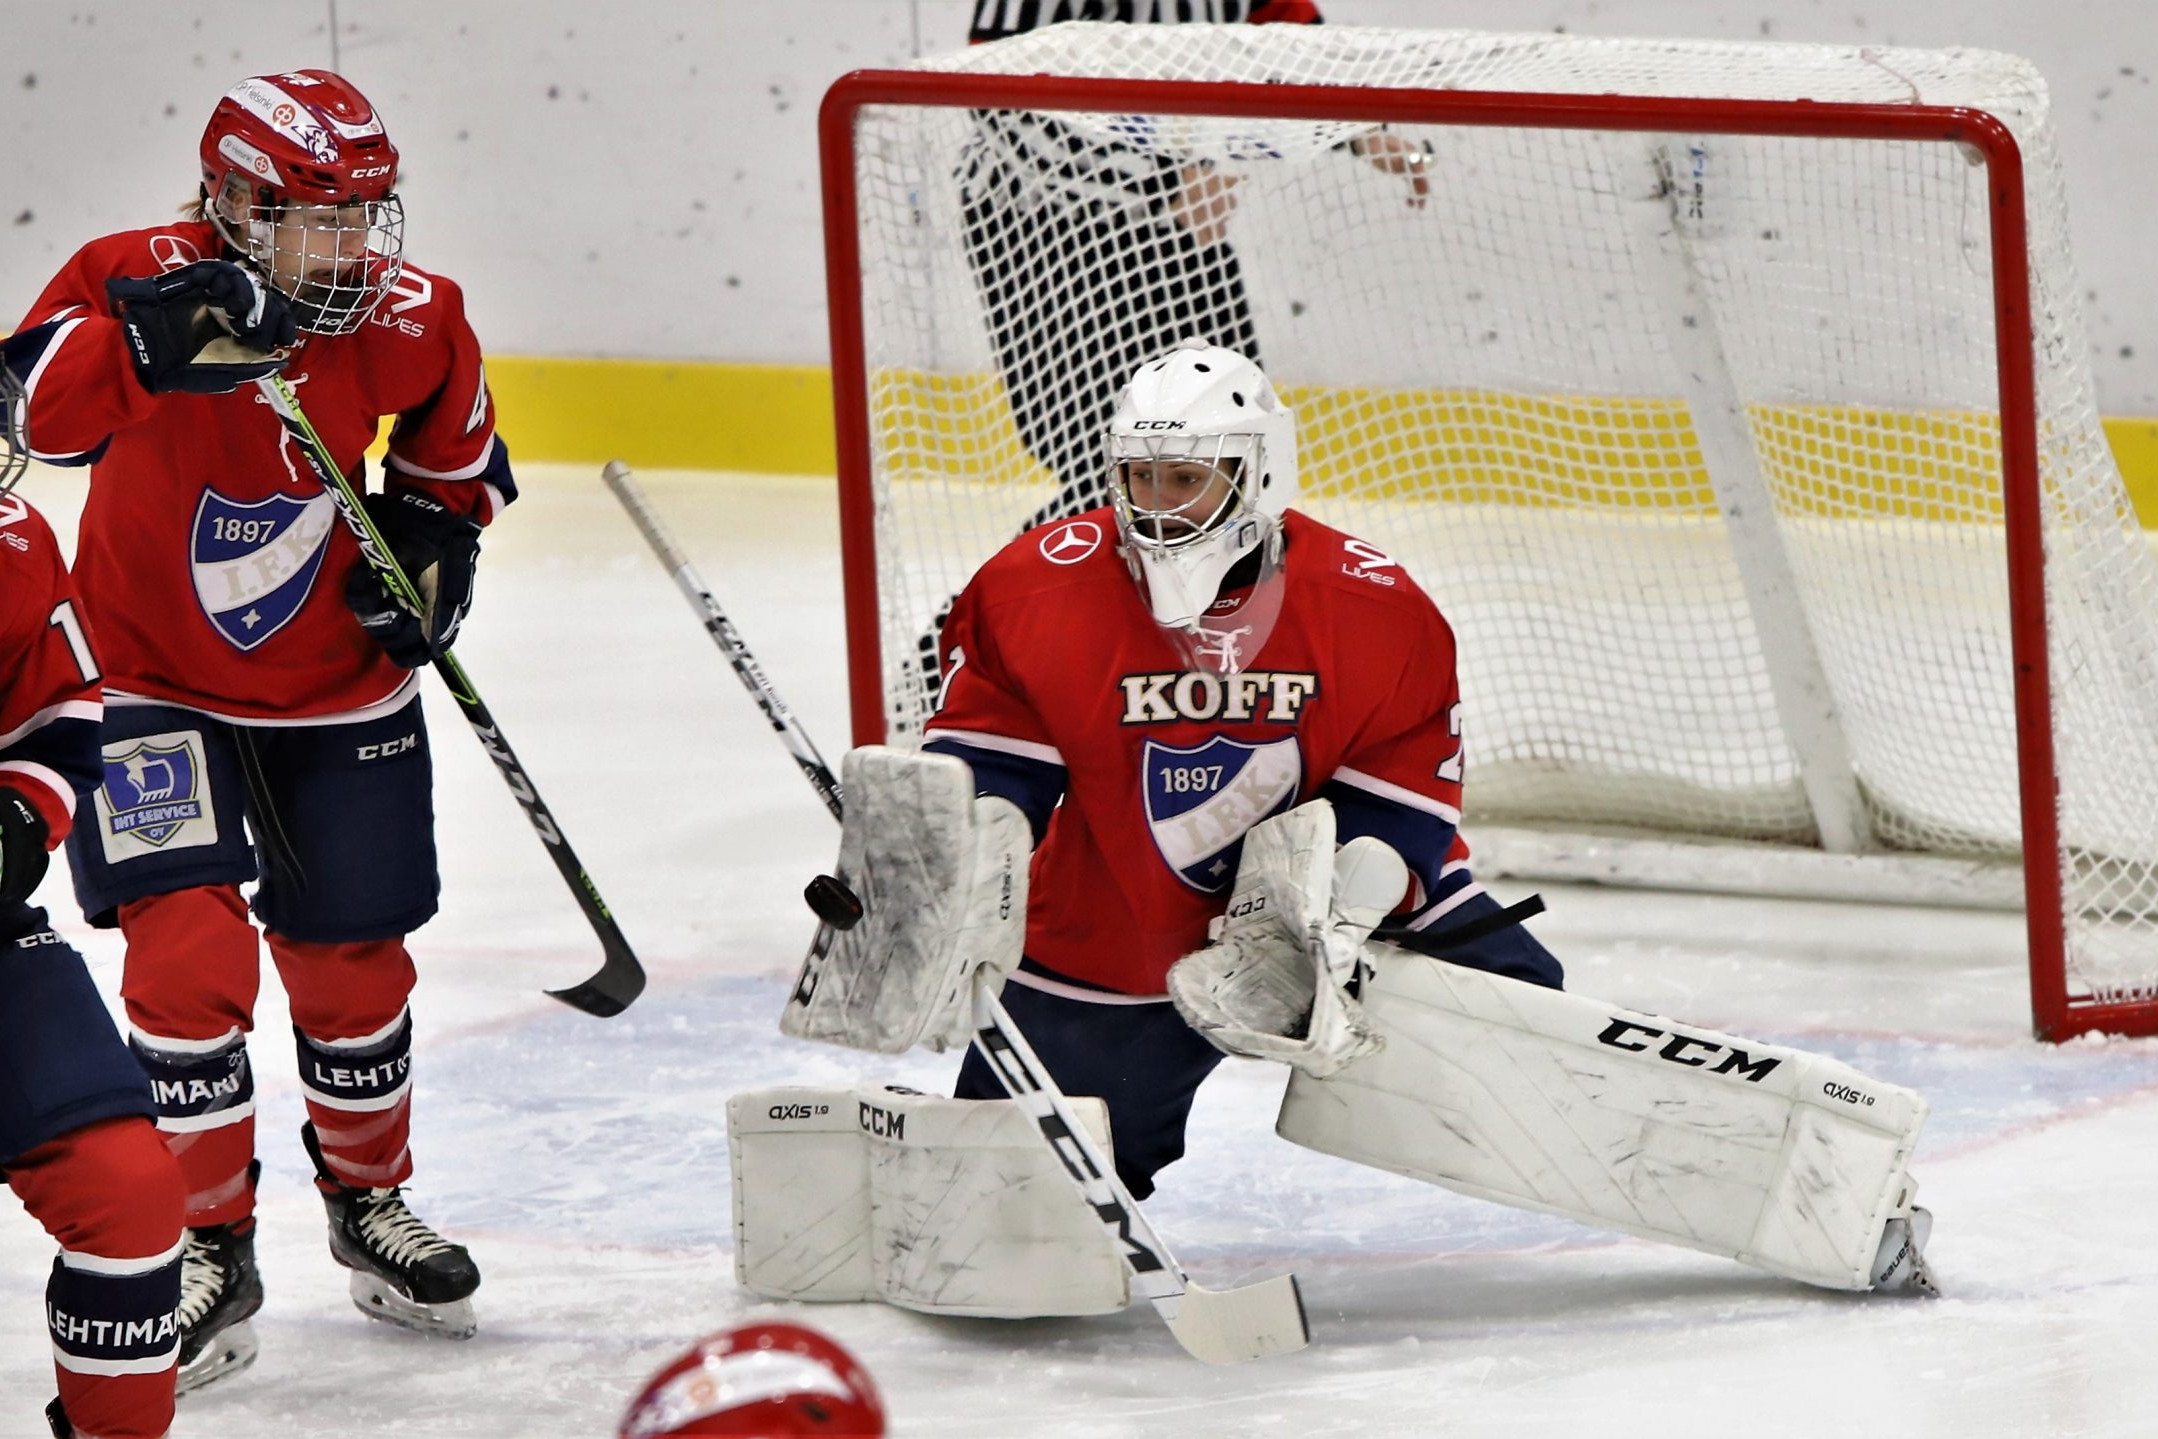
1695,438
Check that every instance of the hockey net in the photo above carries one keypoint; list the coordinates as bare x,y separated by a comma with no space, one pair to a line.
1730,399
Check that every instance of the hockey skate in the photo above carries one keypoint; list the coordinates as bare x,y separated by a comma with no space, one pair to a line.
1900,1267
403,1273
220,1291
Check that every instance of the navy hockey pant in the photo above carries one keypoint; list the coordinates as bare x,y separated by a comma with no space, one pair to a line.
1138,1057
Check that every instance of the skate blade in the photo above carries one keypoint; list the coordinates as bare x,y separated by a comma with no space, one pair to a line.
1904,1274
226,1355
377,1300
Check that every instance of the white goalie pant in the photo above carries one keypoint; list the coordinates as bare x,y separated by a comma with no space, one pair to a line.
950,1206
1788,1161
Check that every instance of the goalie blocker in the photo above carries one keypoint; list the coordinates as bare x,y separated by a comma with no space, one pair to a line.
1789,1161
935,884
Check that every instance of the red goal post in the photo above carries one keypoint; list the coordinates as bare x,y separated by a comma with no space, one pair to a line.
868,562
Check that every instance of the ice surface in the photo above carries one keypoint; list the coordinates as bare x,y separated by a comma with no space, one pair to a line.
585,1162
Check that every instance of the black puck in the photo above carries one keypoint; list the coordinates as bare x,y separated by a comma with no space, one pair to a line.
833,902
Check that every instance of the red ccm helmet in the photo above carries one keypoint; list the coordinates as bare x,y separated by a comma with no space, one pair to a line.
299,177
760,1381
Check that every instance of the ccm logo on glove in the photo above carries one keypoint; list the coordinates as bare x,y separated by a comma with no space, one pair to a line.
1675,1046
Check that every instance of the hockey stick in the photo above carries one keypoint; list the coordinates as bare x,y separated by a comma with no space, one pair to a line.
1219,1326
723,632
620,978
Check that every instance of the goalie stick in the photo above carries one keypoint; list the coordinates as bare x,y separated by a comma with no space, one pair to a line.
1225,1326
620,978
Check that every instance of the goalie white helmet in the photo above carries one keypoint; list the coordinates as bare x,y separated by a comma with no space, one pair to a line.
1202,460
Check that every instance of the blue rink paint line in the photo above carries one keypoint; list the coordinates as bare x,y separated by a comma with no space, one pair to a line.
615,1129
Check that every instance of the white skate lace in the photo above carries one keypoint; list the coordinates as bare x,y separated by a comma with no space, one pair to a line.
395,1231
202,1279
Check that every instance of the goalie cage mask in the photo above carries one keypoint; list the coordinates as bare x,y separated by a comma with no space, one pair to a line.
300,178
1189,418
14,449
764,1380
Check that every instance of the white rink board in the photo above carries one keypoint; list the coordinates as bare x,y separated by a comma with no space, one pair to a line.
698,122
585,1163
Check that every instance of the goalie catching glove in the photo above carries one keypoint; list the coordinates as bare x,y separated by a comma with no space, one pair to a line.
1275,983
942,880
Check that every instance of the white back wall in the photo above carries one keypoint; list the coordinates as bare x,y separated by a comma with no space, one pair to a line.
642,182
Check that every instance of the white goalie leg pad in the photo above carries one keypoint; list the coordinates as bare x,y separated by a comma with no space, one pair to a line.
1789,1161
942,877
950,1206
801,1194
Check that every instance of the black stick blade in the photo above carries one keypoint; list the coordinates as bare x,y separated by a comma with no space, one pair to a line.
606,994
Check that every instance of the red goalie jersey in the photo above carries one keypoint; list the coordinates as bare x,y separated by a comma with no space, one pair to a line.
1061,687
49,700
211,562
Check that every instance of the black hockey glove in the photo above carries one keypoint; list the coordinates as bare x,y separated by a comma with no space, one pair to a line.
439,550
204,329
22,846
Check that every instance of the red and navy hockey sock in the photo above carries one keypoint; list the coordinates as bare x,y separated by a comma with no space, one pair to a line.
193,969
110,1194
353,1032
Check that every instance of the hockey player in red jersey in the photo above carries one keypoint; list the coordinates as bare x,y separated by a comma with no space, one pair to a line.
76,1141
1260,660
1231,737
264,720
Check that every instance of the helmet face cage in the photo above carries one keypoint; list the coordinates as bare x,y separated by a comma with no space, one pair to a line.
1192,487
14,450
334,263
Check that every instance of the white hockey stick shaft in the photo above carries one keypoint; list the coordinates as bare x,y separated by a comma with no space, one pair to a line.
1217,1326
722,630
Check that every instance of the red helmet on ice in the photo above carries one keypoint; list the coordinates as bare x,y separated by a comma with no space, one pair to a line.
300,177
761,1381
